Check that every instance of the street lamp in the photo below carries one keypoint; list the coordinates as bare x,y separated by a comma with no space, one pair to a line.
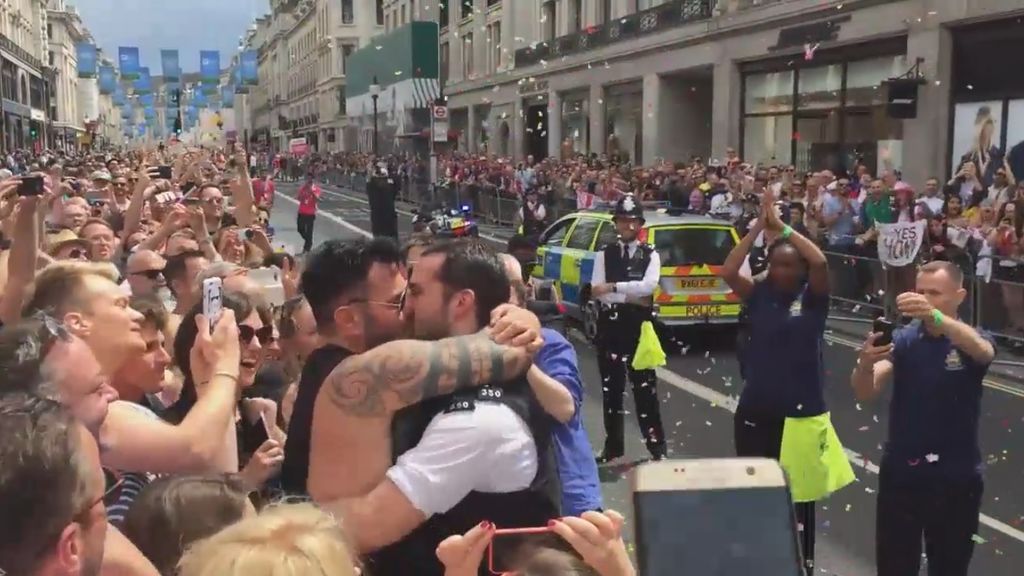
375,95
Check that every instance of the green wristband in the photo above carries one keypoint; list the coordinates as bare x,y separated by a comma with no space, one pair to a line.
937,317
787,231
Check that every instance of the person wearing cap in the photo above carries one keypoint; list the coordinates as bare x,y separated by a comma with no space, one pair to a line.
625,276
66,245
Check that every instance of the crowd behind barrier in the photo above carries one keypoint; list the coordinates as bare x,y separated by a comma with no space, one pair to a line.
863,287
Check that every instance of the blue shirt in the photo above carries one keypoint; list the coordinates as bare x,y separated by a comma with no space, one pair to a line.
936,402
581,488
782,360
842,232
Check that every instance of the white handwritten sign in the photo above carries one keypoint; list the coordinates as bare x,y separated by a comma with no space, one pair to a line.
898,243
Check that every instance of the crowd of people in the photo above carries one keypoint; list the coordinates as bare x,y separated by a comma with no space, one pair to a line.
375,410
385,410
974,220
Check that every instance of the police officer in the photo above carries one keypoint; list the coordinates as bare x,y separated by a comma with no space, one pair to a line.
625,276
381,195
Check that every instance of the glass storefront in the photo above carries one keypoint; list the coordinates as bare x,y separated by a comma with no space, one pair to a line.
576,123
826,113
624,115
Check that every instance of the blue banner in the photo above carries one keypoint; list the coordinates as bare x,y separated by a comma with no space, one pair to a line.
199,99
128,59
144,83
127,112
119,97
87,59
171,65
108,80
147,99
149,112
227,97
250,68
209,66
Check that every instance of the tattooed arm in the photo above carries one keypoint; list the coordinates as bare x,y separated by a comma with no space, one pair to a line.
390,377
351,438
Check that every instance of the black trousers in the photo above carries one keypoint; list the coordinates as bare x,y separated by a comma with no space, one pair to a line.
943,512
618,332
757,436
305,229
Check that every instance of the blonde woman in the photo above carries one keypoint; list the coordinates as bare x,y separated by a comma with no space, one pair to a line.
984,153
283,540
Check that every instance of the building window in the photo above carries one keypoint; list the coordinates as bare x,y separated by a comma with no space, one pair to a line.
606,12
380,12
467,9
493,2
575,15
348,15
49,31
494,47
52,58
442,16
548,20
346,51
467,56
445,62
829,116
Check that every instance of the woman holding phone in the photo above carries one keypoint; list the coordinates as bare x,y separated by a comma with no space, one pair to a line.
782,412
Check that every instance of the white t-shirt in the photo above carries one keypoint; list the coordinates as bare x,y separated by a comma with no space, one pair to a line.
488,449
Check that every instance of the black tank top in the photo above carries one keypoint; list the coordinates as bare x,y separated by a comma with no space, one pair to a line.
295,468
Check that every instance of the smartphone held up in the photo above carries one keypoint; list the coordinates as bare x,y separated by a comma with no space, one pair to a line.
31,185
212,300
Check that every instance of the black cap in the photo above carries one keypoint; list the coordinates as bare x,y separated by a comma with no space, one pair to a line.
628,207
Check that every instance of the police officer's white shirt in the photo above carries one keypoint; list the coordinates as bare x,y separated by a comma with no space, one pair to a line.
632,288
488,449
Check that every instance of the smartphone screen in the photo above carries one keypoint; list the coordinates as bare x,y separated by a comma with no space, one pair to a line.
30,186
164,172
717,532
884,328
212,306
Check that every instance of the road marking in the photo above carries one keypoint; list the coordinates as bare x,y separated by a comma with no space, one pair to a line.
729,403
331,217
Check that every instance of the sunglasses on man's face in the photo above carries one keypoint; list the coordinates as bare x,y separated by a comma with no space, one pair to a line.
77,254
151,274
246,333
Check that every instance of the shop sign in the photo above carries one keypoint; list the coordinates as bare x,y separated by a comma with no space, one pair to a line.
16,108
38,115
532,87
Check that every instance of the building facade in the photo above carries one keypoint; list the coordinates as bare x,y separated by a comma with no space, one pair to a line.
799,82
302,47
23,75
64,31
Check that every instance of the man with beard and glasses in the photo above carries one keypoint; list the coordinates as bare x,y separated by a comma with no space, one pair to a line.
145,273
464,455
51,491
355,290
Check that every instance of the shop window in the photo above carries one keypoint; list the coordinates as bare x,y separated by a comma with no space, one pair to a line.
820,87
769,92
768,139
817,141
864,79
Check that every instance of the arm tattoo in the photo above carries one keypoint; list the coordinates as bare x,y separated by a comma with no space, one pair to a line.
399,374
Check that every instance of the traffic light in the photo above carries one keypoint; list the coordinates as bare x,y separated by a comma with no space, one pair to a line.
33,133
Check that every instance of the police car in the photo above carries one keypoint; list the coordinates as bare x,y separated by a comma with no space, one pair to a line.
445,223
692,249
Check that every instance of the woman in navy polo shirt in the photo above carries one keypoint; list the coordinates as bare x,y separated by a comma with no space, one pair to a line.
782,362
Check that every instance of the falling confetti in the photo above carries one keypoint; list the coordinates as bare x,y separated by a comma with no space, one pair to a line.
932,458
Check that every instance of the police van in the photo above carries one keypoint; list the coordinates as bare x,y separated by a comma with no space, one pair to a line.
692,249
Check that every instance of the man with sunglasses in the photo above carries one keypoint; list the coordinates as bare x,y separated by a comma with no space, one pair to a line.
145,273
51,491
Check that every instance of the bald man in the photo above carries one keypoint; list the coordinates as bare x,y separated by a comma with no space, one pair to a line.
145,272
555,381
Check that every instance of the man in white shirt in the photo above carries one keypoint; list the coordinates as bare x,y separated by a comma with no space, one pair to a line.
626,273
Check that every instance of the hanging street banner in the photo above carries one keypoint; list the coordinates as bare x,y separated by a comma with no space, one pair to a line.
250,68
108,80
87,59
209,66
227,97
147,99
171,65
144,83
128,60
119,97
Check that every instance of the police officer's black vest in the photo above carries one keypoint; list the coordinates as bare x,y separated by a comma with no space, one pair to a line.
531,225
618,269
532,507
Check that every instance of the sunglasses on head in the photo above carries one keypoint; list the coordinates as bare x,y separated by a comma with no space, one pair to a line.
246,333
